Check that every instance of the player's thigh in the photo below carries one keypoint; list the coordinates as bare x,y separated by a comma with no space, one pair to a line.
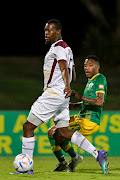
34,120
74,122
47,106
83,126
87,127
61,117
73,117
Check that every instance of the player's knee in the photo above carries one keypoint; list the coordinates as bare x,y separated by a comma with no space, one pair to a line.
51,130
27,126
57,136
24,126
65,132
62,131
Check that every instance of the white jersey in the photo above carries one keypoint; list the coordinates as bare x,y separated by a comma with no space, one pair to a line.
59,51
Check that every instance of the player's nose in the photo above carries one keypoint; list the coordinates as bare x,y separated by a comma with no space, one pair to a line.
86,68
46,33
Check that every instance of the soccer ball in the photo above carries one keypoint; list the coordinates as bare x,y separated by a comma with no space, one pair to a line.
23,163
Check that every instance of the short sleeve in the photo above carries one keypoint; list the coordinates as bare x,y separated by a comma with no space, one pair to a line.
101,84
60,53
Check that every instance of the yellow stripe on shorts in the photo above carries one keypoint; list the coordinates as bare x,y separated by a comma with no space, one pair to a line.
83,126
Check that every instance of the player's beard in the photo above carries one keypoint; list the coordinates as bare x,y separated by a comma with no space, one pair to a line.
47,42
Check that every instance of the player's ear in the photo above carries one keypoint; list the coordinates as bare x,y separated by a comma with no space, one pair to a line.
58,32
98,67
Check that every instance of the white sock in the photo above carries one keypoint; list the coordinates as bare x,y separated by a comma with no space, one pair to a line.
83,143
28,145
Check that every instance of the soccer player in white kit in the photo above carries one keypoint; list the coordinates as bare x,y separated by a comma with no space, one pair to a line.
54,101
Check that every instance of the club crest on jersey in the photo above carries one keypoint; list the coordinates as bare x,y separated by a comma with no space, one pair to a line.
91,85
101,86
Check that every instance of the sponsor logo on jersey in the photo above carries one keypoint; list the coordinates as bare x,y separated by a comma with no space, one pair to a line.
101,86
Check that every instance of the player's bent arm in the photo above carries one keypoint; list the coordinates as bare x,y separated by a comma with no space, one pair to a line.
76,95
98,101
65,75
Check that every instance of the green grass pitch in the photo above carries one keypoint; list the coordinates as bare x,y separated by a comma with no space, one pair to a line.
43,166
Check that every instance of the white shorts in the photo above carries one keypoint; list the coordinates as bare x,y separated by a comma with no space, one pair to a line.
48,106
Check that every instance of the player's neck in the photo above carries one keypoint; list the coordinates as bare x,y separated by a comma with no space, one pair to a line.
57,39
94,76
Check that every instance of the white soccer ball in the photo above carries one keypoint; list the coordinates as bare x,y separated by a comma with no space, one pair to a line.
23,163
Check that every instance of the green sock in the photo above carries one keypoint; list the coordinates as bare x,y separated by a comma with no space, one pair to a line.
67,147
56,149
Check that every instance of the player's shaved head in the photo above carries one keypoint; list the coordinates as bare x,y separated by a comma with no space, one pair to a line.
93,57
56,22
91,65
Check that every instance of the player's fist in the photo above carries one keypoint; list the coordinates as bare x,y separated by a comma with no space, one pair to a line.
67,92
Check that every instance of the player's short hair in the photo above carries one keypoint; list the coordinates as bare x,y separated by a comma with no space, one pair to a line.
56,22
94,57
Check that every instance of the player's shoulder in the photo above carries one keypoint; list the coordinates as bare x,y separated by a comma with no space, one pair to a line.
101,77
61,44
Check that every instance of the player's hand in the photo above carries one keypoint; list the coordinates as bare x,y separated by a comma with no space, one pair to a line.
67,92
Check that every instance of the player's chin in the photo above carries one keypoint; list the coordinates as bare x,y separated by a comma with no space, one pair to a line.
88,75
47,42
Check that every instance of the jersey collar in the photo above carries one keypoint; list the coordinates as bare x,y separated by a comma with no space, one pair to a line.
56,42
94,76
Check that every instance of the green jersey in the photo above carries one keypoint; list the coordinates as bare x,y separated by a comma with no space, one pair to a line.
95,85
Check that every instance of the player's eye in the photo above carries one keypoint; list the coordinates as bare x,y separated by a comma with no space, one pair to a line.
90,65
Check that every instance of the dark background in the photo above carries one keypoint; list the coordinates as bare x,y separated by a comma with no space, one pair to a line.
89,27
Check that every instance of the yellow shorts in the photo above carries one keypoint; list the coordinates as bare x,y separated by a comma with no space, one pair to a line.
83,126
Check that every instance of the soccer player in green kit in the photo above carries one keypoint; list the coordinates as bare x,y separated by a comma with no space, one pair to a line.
95,91
87,122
